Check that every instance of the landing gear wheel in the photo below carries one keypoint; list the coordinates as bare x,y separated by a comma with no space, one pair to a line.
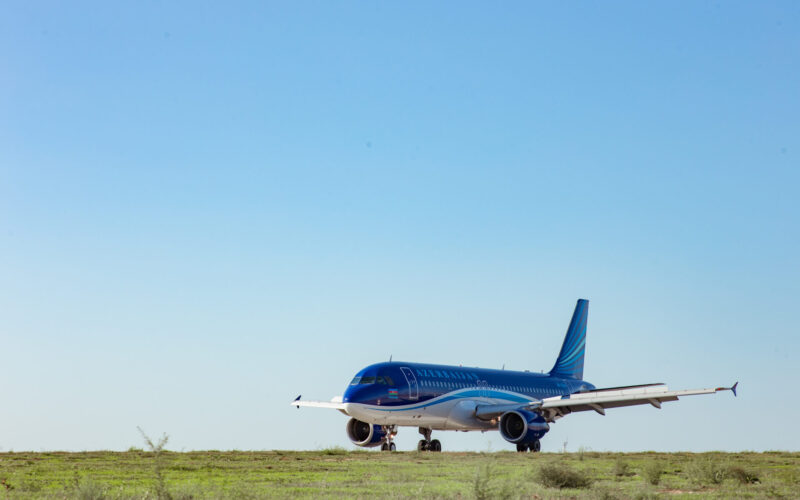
391,432
426,444
536,446
522,447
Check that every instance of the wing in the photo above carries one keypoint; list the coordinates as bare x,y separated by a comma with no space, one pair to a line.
334,404
599,400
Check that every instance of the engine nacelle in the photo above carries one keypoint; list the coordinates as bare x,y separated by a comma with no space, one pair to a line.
364,434
520,426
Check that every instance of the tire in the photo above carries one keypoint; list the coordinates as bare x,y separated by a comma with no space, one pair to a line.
536,446
384,446
522,447
422,445
392,447
436,445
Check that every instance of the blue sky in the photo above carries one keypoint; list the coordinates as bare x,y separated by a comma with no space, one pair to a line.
206,210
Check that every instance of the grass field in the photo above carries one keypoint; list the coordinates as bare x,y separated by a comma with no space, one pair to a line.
360,474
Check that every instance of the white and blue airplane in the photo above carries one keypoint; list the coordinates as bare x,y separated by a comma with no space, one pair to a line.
521,405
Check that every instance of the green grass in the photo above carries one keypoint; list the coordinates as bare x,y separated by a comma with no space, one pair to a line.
336,472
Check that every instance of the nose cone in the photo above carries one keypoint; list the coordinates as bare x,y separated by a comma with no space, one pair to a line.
352,393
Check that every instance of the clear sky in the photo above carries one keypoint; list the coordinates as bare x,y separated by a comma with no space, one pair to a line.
208,208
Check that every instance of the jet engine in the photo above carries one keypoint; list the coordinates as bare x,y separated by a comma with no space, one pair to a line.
521,426
364,434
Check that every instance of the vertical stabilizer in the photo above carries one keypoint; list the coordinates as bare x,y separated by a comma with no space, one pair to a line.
570,360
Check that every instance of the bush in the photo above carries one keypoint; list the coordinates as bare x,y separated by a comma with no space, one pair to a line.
87,489
621,468
706,472
334,450
562,476
480,488
742,475
485,486
604,493
157,448
652,472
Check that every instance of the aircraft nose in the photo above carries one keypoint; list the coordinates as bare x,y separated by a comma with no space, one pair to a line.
357,393
351,394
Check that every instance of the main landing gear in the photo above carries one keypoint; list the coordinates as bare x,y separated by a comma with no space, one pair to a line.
391,432
426,444
533,446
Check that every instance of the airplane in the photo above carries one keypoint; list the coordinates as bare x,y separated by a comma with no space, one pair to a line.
521,405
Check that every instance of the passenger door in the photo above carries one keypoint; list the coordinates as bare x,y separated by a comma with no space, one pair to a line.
413,388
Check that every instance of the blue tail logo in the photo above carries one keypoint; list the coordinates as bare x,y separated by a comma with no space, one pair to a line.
570,360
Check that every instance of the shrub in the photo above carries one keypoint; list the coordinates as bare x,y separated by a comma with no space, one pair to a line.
562,476
157,448
480,487
652,472
742,475
87,489
334,450
706,472
645,495
621,468
603,493
485,486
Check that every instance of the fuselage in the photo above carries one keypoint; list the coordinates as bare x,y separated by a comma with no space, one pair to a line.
444,397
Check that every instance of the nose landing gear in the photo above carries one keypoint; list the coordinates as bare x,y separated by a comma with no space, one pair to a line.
391,432
427,444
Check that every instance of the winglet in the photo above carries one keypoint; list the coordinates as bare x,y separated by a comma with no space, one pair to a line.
296,400
732,388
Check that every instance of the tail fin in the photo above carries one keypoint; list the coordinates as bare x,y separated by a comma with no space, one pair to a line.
570,360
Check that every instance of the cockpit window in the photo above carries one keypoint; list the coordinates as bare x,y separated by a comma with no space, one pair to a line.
380,379
384,380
